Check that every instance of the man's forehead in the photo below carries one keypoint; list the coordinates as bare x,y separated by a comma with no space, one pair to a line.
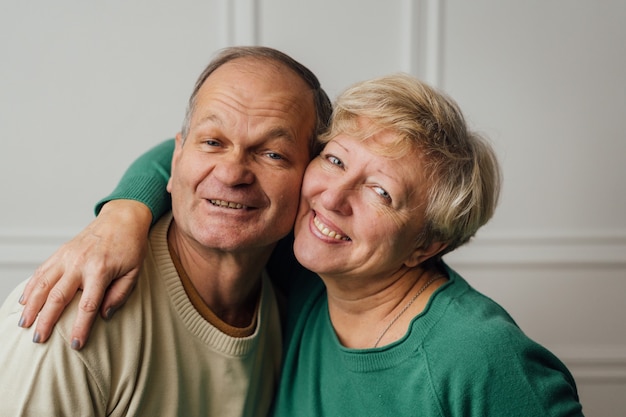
269,95
273,76
273,129
257,68
259,84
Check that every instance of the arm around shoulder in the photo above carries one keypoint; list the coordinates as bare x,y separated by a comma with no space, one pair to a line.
146,181
103,259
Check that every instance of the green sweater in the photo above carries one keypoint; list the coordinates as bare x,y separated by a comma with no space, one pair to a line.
146,181
463,356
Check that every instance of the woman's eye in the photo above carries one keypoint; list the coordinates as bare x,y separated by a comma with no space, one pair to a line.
383,193
334,160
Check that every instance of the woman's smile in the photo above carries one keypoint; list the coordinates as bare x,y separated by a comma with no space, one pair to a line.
326,230
360,211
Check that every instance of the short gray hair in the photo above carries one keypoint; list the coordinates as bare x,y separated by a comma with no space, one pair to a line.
323,106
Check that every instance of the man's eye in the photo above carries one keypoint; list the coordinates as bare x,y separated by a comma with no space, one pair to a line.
212,142
274,155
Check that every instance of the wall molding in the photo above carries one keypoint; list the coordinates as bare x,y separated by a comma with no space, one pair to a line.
26,249
528,249
594,364
240,22
423,40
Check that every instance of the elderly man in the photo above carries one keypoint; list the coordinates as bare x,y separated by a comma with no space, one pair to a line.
200,334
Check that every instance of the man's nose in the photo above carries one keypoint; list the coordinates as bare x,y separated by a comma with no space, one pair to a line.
234,169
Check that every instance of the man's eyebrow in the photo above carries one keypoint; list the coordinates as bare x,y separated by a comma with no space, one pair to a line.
211,118
277,132
280,132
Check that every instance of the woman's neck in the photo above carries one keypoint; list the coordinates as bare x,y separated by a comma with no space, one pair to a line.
379,312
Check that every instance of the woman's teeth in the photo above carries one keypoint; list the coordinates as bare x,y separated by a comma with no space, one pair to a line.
327,232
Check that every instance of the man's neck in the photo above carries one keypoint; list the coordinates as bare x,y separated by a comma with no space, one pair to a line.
229,283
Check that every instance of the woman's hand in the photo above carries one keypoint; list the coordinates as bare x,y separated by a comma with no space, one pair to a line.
103,260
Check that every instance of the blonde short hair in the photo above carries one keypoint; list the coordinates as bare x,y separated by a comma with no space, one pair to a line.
462,169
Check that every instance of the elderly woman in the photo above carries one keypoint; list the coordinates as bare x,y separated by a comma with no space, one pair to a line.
390,329
393,330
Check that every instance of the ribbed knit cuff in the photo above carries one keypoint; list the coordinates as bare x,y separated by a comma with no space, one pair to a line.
145,189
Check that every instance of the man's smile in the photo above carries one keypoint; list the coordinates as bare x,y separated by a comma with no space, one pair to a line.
227,204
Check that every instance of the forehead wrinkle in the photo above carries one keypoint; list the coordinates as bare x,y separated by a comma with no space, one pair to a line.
280,132
275,132
269,114
211,118
234,99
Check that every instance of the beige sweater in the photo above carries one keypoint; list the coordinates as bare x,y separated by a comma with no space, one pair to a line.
156,357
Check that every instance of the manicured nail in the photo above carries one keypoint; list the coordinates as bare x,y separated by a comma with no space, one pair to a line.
21,300
75,344
109,313
21,322
36,337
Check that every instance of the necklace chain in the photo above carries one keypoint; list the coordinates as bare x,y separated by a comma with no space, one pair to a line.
406,307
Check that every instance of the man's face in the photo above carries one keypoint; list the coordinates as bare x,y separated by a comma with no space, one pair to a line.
236,178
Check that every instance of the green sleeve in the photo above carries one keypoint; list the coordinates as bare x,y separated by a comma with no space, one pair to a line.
146,180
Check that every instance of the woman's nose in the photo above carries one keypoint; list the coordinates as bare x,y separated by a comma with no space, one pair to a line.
338,197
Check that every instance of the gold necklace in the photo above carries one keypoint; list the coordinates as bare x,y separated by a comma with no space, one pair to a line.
406,307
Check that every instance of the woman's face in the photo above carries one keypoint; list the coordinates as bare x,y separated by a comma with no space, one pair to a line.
360,212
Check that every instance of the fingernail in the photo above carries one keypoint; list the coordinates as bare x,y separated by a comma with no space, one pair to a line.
36,337
75,344
21,300
21,322
109,313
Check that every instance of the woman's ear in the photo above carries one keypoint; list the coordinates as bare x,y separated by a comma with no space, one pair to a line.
421,254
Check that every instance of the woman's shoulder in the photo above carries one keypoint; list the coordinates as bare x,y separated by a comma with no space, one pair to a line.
477,330
472,314
476,345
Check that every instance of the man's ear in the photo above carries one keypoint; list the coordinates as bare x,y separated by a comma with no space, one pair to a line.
175,156
421,254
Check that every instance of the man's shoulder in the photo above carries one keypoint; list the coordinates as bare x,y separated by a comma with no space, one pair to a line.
11,311
33,372
10,305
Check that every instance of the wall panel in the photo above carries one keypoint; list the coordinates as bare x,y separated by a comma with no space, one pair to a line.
540,79
543,80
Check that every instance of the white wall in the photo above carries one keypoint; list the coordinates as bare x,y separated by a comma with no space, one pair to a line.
85,86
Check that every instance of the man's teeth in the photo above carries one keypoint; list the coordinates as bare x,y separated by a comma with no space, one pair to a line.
228,204
327,232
